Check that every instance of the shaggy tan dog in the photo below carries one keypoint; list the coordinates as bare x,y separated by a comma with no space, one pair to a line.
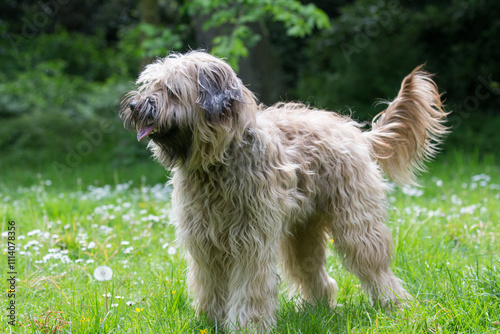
255,186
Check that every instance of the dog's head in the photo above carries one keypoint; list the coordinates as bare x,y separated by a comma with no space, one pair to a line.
190,106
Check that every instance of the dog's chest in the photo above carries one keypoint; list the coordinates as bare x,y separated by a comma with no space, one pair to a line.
229,194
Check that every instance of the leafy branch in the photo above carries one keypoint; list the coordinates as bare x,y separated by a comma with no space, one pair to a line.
234,18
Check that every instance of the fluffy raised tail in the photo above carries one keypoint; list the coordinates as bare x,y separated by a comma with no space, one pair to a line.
408,132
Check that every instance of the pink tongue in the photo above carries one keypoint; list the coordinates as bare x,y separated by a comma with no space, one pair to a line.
143,132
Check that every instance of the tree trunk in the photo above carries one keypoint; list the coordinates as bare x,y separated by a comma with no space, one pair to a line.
149,13
261,71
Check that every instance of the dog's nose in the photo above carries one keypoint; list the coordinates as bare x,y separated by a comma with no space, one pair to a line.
132,105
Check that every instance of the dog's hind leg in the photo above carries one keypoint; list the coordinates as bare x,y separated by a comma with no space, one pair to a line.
303,258
367,254
362,239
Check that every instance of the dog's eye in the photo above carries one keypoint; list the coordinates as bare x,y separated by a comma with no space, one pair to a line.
151,105
172,95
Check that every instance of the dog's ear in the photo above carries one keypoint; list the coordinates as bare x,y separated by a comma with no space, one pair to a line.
219,88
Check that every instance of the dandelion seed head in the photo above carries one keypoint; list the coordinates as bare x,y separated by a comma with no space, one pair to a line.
103,273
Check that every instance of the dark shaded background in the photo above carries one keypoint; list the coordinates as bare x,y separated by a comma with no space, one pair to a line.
64,65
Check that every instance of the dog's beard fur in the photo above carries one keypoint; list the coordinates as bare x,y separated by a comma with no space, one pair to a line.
249,178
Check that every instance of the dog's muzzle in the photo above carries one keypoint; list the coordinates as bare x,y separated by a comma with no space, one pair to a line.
144,130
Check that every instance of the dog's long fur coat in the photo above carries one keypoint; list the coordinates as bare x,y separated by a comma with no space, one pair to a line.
255,186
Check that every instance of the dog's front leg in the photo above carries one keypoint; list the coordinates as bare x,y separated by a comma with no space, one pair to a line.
253,282
207,282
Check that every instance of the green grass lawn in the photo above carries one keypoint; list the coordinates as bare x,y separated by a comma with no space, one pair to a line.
446,234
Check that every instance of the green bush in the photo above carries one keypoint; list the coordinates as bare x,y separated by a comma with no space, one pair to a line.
58,86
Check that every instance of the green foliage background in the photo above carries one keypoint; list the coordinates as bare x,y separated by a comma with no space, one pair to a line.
64,65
